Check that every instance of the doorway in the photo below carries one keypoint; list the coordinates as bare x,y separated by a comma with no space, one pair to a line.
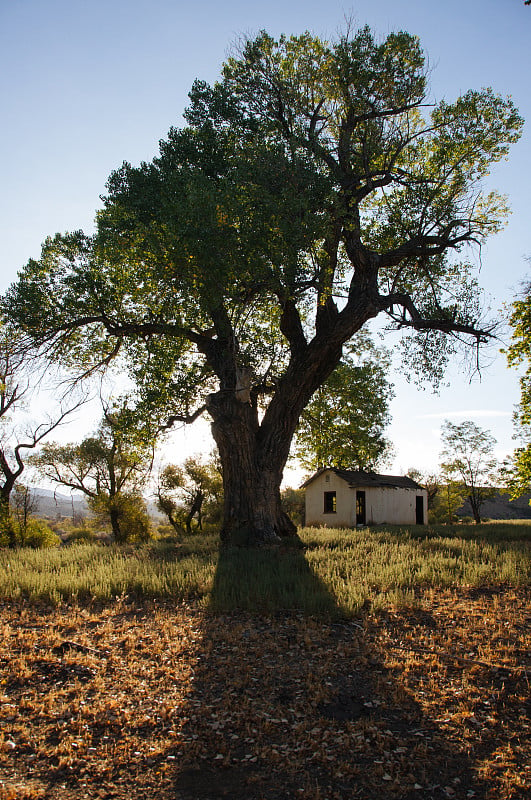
419,510
360,508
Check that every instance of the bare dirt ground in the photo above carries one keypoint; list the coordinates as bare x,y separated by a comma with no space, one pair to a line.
153,701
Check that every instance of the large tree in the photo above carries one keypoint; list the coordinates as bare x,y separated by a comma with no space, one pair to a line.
313,189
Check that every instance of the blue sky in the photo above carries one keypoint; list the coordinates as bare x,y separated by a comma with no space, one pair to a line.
86,85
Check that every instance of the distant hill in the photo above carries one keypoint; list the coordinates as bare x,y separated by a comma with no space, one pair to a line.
501,507
54,505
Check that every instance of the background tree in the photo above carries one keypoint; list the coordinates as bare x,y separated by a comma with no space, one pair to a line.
189,492
294,501
468,461
25,504
110,468
449,499
518,471
314,188
19,434
342,425
429,481
170,481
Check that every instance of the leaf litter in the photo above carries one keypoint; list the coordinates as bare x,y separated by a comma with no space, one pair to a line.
154,700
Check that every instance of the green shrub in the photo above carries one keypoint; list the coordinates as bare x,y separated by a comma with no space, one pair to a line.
36,533
130,513
134,519
81,534
166,532
8,533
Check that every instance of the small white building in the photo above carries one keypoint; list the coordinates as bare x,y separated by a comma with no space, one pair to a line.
337,498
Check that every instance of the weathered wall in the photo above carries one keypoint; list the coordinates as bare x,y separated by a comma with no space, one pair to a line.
393,506
314,499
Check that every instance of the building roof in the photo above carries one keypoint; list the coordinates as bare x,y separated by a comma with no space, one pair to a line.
356,479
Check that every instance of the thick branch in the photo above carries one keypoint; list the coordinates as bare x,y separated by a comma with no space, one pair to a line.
291,327
421,246
186,418
420,323
121,328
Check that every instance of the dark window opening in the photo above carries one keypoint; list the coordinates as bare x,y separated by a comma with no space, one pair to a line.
329,502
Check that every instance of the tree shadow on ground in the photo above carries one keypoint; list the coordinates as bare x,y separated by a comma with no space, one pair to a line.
290,705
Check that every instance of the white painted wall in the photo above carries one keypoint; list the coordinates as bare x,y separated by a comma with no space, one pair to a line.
395,506
314,498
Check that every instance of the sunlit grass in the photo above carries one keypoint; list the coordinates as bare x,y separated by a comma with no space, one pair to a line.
388,566
337,573
87,572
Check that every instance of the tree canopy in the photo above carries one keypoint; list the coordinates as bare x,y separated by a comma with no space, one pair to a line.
314,187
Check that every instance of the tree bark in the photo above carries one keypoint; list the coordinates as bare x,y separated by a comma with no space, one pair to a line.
5,516
475,506
114,515
10,478
5,497
252,474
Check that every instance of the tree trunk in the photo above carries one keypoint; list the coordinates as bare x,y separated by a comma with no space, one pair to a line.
6,489
252,473
252,507
5,522
114,515
174,523
254,451
475,506
5,495
195,510
5,516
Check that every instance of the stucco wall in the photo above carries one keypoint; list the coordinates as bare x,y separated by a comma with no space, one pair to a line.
314,499
394,506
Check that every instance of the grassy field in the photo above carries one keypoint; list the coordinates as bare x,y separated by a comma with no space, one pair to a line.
385,663
337,572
